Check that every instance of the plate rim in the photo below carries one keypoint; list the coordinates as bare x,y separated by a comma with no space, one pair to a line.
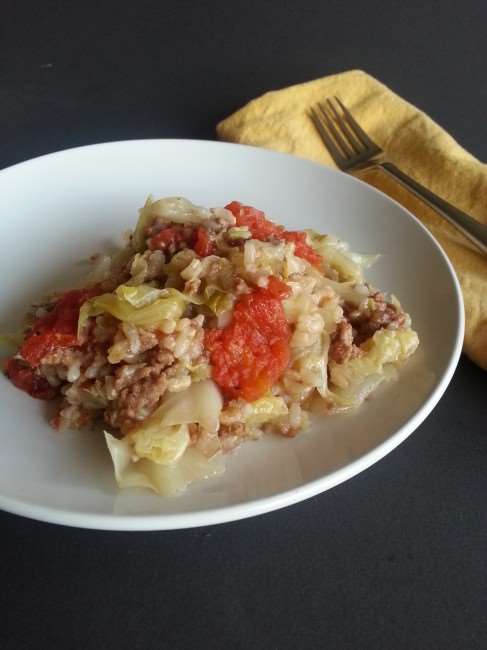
246,509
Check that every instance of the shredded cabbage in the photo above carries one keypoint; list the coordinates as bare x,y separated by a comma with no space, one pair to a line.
313,363
336,254
239,232
263,256
265,409
145,219
292,263
138,270
179,261
132,305
349,291
218,301
141,295
351,382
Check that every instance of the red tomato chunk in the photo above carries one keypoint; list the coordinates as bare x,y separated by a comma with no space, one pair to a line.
251,353
57,329
169,237
263,229
203,245
173,238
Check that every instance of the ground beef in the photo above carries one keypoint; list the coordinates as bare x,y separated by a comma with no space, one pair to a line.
342,346
368,321
137,401
139,388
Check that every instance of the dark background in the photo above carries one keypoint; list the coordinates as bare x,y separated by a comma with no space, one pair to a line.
395,557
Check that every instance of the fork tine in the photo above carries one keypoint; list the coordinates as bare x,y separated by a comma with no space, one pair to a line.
359,132
338,138
327,139
345,129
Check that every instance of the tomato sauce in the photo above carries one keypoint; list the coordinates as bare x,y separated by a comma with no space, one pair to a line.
251,353
203,245
173,238
170,237
58,328
261,228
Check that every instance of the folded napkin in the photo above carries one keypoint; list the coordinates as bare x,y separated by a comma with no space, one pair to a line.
420,147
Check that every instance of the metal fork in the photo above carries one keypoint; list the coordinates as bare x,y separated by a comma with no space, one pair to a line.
352,149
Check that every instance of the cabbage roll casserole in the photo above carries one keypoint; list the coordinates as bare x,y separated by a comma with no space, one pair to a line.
207,328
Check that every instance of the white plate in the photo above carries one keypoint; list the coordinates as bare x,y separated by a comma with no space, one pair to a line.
57,209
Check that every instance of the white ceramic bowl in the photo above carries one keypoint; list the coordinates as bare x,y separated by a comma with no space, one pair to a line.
58,209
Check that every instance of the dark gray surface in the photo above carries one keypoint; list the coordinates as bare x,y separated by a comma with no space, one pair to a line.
394,558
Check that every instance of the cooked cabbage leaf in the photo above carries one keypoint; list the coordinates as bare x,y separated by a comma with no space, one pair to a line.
218,301
165,480
265,409
163,437
350,291
351,382
348,265
160,443
132,305
201,403
138,270
140,295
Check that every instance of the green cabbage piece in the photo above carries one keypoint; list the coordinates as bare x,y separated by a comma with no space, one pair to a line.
179,261
140,295
350,291
351,382
142,305
138,270
155,454
163,436
265,409
348,265
218,301
145,219
165,480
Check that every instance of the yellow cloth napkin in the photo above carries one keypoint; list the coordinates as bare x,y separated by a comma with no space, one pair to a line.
420,147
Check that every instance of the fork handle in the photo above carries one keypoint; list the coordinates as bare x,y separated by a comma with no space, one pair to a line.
475,231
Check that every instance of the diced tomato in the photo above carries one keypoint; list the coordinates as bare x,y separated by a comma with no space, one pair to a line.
255,220
172,236
37,346
263,229
203,245
26,379
58,328
301,248
251,353
277,289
